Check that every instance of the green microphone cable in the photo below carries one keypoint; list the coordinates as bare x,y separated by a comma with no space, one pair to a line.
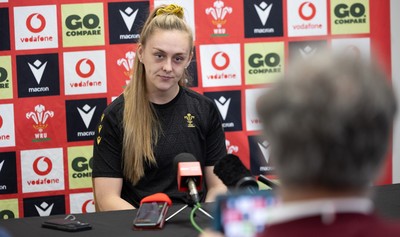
192,213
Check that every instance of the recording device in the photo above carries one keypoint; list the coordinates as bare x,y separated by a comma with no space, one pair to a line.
231,171
243,213
152,212
189,175
66,224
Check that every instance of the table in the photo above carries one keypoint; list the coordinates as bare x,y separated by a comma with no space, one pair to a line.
119,223
112,223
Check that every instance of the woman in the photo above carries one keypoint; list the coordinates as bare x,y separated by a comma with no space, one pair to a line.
155,119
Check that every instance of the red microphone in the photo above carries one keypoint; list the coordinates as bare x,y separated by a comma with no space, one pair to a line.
152,212
189,175
157,197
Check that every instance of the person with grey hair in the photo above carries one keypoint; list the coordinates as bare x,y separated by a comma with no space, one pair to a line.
328,123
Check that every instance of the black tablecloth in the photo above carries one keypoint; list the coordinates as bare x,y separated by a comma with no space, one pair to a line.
112,224
119,223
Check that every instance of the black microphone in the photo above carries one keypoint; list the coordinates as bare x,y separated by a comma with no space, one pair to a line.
231,171
189,175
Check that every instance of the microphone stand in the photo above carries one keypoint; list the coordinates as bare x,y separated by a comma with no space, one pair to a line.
183,208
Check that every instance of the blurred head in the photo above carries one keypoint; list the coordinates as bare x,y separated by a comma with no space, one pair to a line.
328,122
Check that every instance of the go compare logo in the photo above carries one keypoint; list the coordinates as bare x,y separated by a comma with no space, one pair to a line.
83,24
350,16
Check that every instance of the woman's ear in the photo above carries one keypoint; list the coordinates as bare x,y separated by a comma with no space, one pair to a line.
190,59
139,52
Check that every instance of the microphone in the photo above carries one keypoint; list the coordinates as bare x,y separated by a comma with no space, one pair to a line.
189,175
157,197
231,171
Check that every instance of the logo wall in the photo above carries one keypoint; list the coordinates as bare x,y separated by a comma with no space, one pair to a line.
83,24
44,206
259,156
219,12
299,50
35,27
307,18
8,173
86,72
38,119
252,120
350,17
82,118
9,209
220,65
6,78
228,104
358,47
82,203
7,130
5,30
264,62
130,16
263,18
80,160
38,75
41,169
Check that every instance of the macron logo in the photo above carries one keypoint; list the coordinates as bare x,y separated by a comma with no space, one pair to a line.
44,209
307,52
37,69
87,114
263,11
129,16
264,148
1,165
223,106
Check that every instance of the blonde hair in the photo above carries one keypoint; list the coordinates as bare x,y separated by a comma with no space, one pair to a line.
141,126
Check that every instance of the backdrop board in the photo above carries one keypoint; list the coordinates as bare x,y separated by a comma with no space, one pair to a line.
63,61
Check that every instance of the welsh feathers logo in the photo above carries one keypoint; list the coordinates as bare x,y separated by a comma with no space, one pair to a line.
40,117
219,12
127,64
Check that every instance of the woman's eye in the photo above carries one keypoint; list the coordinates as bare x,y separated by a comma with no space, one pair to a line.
178,59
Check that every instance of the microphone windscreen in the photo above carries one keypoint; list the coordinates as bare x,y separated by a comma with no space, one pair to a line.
230,170
183,157
157,197
187,167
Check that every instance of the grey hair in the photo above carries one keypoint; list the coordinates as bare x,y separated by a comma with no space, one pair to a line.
328,122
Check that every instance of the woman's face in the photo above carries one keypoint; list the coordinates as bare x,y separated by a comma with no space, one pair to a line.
165,56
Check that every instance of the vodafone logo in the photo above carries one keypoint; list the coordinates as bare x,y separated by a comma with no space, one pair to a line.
85,68
87,206
35,23
1,121
220,60
44,162
307,11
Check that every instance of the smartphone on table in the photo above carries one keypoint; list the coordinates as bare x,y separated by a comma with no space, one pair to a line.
150,215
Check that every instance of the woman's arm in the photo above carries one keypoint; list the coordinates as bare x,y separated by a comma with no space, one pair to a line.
107,194
214,184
